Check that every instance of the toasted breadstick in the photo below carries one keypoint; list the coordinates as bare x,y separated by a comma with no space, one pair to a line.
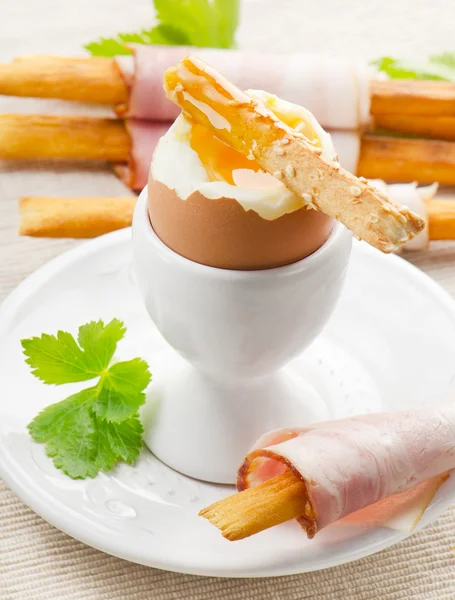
407,159
250,128
442,128
408,97
95,80
74,217
243,514
43,136
441,218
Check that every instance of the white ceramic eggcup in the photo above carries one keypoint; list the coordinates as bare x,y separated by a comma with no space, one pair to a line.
222,381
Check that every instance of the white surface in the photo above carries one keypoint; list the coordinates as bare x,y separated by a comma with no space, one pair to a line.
236,329
380,349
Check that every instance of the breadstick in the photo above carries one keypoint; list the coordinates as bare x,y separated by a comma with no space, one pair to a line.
43,136
248,127
273,502
442,128
95,80
409,97
74,217
407,159
441,218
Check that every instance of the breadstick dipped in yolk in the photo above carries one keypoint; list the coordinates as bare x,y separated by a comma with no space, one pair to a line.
247,126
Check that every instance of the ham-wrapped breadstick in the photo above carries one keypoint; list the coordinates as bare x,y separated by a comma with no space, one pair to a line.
334,89
330,470
340,92
252,125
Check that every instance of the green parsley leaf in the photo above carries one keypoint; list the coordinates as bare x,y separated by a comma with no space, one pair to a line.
107,47
99,342
437,67
124,439
69,432
165,34
226,15
96,428
121,388
58,359
201,23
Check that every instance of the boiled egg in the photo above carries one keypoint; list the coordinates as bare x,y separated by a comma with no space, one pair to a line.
215,206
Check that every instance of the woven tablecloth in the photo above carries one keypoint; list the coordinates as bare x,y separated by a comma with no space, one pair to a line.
38,562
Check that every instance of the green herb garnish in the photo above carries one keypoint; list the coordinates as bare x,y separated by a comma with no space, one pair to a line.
201,23
437,67
96,428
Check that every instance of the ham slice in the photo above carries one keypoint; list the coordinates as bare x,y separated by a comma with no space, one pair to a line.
335,90
144,136
354,463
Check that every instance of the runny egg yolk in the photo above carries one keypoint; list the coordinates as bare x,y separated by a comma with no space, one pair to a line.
219,160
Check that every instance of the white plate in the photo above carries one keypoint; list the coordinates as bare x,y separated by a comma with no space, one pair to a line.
390,344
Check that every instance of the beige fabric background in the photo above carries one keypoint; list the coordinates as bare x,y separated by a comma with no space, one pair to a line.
37,562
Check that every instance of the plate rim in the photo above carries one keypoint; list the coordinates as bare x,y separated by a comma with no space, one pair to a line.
51,511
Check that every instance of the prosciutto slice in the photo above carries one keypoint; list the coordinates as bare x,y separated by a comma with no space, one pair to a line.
144,136
335,90
353,463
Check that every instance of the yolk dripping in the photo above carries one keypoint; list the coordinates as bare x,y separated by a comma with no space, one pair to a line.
218,159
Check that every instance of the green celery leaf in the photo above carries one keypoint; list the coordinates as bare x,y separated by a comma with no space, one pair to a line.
226,16
194,17
164,34
446,58
201,23
438,67
107,47
69,431
57,359
133,38
79,443
121,390
124,439
99,342
96,428
53,419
